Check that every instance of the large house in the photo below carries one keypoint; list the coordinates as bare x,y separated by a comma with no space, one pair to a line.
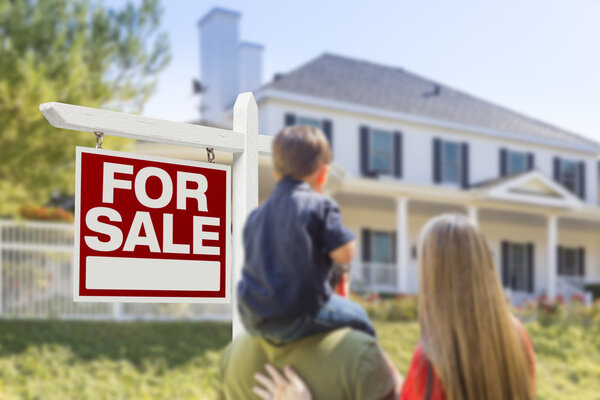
407,148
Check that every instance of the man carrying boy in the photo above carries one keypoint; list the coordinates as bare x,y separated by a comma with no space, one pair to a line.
291,242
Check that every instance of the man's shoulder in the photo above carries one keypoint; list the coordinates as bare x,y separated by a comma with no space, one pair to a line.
336,341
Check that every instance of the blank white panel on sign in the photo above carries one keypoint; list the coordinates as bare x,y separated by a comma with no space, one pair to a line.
151,274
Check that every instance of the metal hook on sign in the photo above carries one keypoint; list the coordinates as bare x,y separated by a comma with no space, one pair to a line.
210,154
99,139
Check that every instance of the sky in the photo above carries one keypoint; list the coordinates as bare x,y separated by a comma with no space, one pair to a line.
538,57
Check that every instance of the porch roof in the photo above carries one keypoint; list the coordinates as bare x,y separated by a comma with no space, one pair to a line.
530,192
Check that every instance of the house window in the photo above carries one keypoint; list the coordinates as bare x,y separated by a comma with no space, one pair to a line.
381,146
517,162
310,121
569,262
518,277
451,162
381,248
568,175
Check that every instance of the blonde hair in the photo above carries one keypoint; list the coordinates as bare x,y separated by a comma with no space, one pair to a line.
299,150
467,331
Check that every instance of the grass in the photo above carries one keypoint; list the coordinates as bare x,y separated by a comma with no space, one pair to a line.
143,360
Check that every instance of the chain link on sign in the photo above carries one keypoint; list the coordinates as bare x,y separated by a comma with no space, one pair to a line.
210,154
99,139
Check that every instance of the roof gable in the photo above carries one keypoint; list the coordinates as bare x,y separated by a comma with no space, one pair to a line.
532,187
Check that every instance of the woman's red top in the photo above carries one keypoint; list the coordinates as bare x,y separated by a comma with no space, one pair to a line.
422,382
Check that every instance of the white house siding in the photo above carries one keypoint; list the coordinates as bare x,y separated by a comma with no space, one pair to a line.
484,151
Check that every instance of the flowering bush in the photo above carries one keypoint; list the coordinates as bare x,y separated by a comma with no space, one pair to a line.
41,213
557,312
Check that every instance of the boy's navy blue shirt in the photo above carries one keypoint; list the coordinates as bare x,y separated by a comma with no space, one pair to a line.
287,242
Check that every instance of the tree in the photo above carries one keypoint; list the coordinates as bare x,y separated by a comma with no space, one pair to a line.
77,52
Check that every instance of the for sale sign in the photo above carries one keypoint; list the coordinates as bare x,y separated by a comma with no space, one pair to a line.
150,229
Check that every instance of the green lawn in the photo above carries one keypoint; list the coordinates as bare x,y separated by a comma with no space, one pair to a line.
101,360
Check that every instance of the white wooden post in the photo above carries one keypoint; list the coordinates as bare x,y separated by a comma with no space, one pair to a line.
117,309
244,190
551,244
402,256
473,214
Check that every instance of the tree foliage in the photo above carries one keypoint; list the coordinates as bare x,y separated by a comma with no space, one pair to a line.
70,51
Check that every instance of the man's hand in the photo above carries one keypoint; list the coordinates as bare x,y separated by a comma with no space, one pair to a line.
278,387
343,254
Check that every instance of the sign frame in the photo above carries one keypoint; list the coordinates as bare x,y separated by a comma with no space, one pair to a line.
77,297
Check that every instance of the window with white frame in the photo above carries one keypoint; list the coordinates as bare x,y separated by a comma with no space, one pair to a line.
568,175
381,147
516,162
451,161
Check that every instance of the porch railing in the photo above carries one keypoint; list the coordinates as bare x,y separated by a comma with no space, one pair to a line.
36,281
567,287
378,277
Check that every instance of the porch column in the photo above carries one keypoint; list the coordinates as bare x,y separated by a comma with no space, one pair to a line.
473,214
402,256
551,254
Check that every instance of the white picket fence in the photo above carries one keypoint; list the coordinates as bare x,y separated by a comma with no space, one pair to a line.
36,281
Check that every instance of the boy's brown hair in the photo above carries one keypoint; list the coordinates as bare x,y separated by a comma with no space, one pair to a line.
299,150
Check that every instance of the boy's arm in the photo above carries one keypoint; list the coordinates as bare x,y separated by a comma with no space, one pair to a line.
337,240
343,254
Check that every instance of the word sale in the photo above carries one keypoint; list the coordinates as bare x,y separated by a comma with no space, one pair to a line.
143,220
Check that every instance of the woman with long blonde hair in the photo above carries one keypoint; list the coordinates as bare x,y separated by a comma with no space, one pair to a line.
471,347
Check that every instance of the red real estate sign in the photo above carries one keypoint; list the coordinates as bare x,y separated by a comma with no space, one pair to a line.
150,229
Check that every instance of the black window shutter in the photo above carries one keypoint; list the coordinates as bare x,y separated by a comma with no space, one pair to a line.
530,268
559,260
557,169
398,154
364,150
437,160
505,278
582,180
530,161
394,246
327,130
581,260
465,165
366,244
503,162
290,119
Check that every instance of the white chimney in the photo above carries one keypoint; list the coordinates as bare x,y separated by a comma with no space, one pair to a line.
219,63
250,66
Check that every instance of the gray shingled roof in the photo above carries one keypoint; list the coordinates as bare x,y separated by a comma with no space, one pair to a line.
365,83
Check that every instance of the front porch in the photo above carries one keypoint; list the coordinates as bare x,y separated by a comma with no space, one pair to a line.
539,248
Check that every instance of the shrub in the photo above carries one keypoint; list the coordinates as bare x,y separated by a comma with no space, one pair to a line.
41,213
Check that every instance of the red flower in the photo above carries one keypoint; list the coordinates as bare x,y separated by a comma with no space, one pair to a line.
578,297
